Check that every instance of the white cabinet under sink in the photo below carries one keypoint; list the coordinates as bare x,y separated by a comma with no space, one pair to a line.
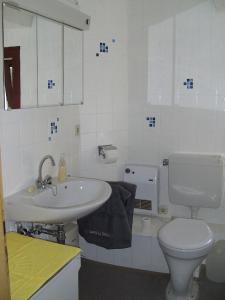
64,285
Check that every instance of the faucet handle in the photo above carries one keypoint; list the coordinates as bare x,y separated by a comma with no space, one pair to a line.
47,180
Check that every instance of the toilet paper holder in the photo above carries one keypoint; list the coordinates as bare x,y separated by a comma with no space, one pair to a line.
103,148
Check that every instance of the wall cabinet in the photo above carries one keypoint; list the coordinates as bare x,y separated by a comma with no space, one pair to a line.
43,60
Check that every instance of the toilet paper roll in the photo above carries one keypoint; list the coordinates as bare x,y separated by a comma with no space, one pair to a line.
111,156
146,225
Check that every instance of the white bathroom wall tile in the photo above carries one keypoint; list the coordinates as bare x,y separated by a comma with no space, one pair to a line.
27,127
104,122
104,104
11,116
29,166
220,134
122,156
88,141
89,106
101,171
105,138
135,136
169,143
160,63
41,129
150,148
88,123
169,119
206,131
10,135
67,126
120,121
120,103
88,158
120,139
11,164
74,167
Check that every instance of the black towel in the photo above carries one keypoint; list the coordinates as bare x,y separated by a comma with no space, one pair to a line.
110,226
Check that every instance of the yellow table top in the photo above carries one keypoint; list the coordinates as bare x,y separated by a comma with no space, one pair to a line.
32,262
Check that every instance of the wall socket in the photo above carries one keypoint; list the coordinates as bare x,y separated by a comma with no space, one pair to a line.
163,210
77,130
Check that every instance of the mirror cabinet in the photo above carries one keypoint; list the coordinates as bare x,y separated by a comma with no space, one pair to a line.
43,60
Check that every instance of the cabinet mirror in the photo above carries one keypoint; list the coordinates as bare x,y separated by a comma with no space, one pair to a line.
43,61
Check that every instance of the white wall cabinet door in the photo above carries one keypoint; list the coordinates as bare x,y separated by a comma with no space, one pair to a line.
73,66
50,62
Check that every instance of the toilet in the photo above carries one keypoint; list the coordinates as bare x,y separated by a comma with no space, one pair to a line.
196,180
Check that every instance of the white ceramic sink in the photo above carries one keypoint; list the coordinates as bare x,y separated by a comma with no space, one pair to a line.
75,198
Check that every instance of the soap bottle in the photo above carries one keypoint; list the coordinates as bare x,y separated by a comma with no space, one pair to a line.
62,168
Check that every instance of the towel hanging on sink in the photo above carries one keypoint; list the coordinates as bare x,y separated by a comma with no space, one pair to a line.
110,226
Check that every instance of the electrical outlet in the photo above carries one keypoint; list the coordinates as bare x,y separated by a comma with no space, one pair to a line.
163,210
77,130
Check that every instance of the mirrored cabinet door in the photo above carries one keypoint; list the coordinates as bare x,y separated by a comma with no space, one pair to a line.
50,62
73,66
20,58
43,60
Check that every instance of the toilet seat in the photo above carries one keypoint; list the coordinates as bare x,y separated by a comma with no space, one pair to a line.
189,236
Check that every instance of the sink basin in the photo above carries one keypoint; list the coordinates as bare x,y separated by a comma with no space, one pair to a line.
75,198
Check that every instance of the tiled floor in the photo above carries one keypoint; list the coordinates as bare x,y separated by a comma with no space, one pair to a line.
105,282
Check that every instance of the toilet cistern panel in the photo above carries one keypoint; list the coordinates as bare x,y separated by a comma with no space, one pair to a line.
146,179
196,179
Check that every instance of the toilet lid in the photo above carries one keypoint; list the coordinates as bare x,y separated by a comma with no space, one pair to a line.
186,234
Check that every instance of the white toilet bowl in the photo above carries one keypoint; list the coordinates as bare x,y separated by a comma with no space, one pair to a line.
185,244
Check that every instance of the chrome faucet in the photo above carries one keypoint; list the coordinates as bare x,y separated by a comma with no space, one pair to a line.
44,183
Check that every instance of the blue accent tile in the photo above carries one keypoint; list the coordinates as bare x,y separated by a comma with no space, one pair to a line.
189,83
